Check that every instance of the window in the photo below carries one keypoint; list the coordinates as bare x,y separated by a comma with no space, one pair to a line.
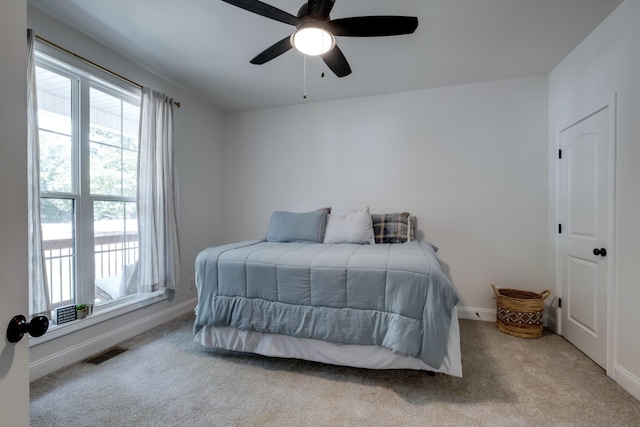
88,130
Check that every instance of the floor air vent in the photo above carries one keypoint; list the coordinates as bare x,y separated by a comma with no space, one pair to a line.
106,355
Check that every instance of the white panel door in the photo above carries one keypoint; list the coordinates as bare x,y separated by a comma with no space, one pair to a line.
584,218
14,358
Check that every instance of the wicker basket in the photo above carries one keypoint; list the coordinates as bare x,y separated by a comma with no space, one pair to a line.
520,313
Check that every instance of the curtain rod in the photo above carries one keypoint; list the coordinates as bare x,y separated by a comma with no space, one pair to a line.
106,70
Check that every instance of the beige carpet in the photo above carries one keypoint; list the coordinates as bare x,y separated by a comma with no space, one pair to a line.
167,380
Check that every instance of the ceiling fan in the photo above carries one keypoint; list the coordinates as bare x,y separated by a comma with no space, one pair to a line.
315,31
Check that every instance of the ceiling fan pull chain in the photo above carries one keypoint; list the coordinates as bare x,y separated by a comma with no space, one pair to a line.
304,76
322,56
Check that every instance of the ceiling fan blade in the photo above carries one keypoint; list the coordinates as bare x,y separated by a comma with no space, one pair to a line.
336,61
273,51
320,9
373,26
266,10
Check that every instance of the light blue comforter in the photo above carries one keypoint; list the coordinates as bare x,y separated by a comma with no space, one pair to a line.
391,295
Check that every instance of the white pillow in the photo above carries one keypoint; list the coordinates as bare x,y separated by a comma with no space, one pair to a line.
355,227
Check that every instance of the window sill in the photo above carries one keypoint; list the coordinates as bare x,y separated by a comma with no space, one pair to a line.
126,306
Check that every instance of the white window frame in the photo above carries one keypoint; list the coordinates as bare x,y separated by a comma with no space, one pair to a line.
84,77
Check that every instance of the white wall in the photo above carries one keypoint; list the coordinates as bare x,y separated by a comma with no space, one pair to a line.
199,154
607,62
469,161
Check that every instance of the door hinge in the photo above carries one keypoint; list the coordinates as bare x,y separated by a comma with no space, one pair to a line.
559,228
559,154
559,302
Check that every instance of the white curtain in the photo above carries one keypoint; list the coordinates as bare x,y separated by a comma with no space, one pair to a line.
39,302
159,263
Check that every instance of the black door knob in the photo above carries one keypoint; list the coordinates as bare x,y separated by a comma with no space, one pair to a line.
18,326
600,252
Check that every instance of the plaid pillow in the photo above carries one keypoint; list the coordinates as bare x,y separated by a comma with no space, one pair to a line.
412,227
391,228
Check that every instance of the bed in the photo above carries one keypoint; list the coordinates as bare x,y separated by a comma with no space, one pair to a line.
376,306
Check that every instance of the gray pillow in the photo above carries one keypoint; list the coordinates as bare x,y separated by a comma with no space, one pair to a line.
297,226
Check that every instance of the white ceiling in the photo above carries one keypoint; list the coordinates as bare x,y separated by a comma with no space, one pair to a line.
205,45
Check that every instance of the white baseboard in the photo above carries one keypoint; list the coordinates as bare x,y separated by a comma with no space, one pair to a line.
489,315
53,362
626,380
60,359
471,313
550,322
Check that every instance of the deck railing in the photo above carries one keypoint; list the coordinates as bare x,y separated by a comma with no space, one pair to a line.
112,253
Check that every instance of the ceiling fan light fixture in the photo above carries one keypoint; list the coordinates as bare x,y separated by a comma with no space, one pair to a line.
311,39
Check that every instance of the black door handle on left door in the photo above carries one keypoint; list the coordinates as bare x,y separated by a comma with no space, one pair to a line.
18,326
600,252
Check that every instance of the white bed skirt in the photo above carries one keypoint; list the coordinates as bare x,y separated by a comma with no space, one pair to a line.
357,356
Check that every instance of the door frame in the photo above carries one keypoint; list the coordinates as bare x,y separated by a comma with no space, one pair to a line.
609,102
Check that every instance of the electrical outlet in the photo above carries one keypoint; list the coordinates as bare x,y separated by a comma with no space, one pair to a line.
192,283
